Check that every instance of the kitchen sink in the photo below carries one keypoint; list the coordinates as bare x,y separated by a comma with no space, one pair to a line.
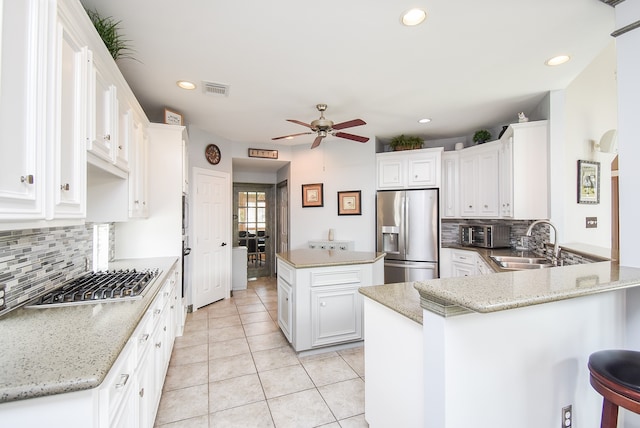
521,263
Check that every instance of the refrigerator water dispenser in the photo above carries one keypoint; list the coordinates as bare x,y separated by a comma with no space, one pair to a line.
390,239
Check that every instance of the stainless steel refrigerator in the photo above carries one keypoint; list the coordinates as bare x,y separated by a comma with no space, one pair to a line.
408,230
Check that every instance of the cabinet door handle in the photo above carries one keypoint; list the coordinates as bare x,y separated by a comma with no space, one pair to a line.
145,337
27,179
123,381
141,392
157,311
107,137
323,304
158,345
65,187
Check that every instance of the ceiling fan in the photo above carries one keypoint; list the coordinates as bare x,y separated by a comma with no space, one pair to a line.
323,127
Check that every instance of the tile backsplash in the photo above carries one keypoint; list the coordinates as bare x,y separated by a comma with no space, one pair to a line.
33,261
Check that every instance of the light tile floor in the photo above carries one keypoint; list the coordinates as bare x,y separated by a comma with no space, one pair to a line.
234,368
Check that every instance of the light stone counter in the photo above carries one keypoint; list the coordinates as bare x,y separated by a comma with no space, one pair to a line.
401,297
509,290
308,258
58,350
501,291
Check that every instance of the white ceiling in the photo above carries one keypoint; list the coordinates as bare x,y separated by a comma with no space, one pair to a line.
472,64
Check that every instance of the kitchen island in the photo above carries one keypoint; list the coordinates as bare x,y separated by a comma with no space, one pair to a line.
56,364
495,350
318,301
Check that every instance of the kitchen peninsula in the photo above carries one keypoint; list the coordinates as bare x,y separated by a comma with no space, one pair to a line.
318,300
494,350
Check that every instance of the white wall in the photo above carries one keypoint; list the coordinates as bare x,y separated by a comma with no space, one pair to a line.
341,166
591,110
628,46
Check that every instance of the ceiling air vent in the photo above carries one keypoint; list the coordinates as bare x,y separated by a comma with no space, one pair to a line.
211,88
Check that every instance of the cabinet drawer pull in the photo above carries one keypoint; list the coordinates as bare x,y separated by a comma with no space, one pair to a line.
158,345
123,381
65,187
119,147
107,137
27,179
165,328
141,392
172,306
157,311
145,337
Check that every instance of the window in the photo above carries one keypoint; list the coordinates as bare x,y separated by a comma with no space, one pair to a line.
252,213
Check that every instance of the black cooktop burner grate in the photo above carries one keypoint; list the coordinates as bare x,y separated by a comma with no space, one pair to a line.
94,287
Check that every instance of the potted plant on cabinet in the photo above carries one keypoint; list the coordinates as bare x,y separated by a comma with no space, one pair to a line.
403,142
481,136
109,31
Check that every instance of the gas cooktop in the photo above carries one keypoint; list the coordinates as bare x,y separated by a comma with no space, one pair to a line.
99,287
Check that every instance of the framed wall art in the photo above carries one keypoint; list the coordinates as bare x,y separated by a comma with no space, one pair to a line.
349,203
588,182
312,195
172,117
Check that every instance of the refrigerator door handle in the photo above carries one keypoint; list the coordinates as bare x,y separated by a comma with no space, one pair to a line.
407,235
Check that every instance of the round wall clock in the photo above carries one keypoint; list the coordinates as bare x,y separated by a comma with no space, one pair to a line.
212,153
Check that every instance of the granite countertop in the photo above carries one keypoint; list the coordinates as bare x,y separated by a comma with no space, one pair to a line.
309,258
516,289
401,297
58,350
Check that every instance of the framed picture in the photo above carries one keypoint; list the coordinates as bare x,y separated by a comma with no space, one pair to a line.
349,203
588,182
172,117
312,195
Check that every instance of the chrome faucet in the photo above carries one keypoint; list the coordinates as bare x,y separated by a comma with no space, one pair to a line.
556,252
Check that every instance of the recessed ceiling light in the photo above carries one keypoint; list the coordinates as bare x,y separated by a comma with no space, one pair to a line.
557,60
413,17
425,120
185,84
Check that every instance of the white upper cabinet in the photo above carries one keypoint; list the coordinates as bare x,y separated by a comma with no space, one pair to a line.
506,178
479,181
103,117
409,169
63,104
69,82
525,171
23,54
450,186
138,184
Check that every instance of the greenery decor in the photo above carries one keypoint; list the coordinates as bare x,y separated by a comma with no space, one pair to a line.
109,31
481,136
402,142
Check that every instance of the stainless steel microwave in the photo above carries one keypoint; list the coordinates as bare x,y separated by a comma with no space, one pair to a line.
486,236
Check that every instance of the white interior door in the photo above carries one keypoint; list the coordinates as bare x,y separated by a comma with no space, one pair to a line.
211,237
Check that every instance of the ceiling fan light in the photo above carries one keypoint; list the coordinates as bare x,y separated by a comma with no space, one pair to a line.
185,84
413,17
557,60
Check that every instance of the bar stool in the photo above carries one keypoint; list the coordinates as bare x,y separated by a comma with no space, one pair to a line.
615,374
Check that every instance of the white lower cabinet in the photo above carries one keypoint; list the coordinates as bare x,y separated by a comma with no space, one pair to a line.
285,308
321,306
463,263
336,315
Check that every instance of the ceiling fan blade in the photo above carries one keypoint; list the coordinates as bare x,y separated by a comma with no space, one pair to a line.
316,142
349,124
357,138
291,136
299,123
